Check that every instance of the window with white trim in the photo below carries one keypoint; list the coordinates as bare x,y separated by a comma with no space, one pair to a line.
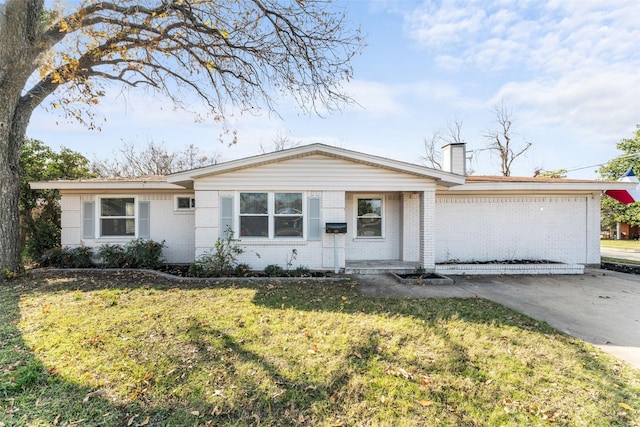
185,203
271,215
117,216
369,217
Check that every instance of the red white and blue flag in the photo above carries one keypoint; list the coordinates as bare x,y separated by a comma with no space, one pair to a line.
626,196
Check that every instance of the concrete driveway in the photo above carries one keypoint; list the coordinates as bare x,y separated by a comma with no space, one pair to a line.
601,307
621,253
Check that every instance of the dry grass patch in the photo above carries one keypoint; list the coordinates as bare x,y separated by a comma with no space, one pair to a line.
130,350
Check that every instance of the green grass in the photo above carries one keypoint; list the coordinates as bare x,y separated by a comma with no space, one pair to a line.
620,260
620,244
112,351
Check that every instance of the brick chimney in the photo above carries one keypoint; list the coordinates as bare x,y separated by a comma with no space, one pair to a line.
454,158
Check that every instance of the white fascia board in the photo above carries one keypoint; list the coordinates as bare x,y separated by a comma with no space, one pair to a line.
584,186
104,185
444,178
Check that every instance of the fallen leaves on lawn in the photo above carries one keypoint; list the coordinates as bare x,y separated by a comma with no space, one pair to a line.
625,406
93,394
399,372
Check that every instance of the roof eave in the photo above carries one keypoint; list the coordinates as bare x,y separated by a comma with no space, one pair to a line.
586,186
104,185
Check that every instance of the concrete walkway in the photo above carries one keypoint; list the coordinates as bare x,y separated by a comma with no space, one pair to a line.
600,307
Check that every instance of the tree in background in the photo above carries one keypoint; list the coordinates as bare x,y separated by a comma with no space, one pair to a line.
154,159
40,209
433,147
280,142
500,143
239,54
612,211
558,173
501,140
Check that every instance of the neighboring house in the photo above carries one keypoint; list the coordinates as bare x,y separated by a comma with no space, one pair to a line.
396,213
623,231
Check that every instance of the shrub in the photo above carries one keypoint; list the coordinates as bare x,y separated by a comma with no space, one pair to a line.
78,257
138,253
42,236
112,256
53,257
199,268
273,270
243,270
141,253
221,261
302,271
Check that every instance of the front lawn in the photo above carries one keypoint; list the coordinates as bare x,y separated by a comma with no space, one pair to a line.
620,244
134,350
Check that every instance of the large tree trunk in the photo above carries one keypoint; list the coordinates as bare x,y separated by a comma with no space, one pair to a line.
10,145
19,21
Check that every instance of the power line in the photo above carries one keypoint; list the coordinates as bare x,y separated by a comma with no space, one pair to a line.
625,156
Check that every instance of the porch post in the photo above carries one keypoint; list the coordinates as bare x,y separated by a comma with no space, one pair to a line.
427,228
410,222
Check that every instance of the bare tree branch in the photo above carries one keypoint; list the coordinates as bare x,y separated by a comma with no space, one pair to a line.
433,147
500,140
154,159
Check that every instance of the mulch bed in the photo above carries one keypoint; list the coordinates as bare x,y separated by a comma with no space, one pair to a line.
621,267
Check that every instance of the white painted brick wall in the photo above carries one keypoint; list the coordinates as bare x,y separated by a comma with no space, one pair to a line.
175,228
554,228
410,224
260,253
71,220
333,210
279,251
593,231
428,229
207,221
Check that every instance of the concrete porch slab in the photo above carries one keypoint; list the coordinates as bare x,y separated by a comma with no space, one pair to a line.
380,267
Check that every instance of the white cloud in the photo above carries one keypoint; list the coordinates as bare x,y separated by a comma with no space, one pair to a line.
375,98
567,63
546,36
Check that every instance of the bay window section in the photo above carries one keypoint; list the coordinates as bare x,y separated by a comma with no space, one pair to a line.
254,214
117,216
271,215
288,215
369,217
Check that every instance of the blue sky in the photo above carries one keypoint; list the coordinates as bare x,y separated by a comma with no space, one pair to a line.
568,70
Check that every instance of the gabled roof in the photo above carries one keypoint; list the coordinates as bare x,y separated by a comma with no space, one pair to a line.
446,179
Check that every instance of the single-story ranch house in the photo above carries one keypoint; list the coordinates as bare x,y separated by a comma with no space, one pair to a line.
396,214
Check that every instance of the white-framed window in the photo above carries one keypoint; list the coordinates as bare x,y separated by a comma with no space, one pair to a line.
185,203
369,216
271,215
117,216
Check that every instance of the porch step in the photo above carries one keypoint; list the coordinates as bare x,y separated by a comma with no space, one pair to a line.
380,267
